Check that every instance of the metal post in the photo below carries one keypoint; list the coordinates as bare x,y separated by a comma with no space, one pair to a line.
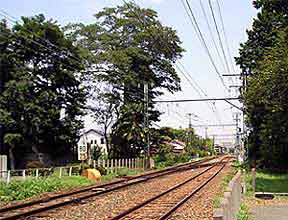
37,173
244,181
70,171
8,177
60,172
24,174
146,119
254,179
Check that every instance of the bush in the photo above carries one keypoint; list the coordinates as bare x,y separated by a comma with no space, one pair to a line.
35,164
101,169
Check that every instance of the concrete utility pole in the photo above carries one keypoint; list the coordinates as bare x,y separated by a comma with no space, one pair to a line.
206,132
237,119
146,120
190,120
189,129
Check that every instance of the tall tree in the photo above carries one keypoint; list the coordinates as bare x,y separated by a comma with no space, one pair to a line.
266,102
39,68
264,69
129,47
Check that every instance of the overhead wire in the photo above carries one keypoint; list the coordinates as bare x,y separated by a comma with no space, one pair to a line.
211,33
225,35
195,85
218,35
13,19
197,29
213,106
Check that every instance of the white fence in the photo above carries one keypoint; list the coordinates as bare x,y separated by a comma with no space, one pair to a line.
112,165
8,175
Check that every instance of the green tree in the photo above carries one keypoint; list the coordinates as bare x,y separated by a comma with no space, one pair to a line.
266,101
129,47
260,64
39,78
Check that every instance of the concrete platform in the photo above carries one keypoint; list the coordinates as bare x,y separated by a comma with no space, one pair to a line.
277,212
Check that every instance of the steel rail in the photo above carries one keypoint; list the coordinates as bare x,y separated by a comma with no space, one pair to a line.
185,199
138,179
140,205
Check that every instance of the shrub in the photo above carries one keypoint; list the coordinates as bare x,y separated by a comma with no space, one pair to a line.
34,164
101,169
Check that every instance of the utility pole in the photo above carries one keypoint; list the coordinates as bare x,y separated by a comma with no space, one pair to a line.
2,150
190,120
146,120
189,129
237,119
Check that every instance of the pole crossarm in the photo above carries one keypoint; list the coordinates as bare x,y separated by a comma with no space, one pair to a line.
215,125
235,106
197,100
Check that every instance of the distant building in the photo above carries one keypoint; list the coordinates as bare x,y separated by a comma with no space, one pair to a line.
177,146
93,137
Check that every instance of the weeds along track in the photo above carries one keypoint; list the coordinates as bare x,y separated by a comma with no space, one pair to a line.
161,206
58,200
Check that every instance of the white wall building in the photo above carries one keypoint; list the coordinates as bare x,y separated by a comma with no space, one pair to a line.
93,137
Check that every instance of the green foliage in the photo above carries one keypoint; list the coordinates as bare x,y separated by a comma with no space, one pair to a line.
101,169
96,152
194,144
130,47
264,58
19,190
34,164
170,159
36,83
243,213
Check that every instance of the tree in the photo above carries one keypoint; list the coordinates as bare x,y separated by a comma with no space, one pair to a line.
129,47
271,18
39,69
266,102
262,59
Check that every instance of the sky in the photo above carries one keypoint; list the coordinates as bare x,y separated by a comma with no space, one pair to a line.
237,15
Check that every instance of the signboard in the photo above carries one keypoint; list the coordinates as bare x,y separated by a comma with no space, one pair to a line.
82,152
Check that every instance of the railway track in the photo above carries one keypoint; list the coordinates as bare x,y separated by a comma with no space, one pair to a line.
55,201
161,206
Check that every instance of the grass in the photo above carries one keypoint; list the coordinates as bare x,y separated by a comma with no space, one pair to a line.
120,173
243,213
267,182
19,190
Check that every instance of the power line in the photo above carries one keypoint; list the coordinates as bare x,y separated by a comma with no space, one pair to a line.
54,53
219,36
193,80
225,35
212,107
199,100
211,33
197,29
13,19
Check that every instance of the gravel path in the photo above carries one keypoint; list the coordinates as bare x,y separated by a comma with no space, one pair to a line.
157,208
200,207
108,205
